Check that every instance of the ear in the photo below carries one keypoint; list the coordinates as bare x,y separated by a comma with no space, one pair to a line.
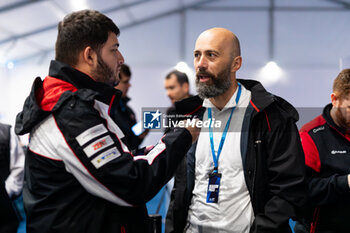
335,100
89,56
236,63
185,86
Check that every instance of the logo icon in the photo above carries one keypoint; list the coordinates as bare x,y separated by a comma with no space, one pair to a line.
333,152
318,129
151,119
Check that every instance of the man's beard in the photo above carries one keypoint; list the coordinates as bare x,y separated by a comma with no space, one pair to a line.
103,73
341,119
221,83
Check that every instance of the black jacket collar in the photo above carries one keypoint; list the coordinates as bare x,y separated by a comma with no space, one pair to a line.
82,81
32,114
260,97
260,100
327,116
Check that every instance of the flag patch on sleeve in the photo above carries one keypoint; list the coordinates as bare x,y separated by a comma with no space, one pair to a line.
105,157
98,145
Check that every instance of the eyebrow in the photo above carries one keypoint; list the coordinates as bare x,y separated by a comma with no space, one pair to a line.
116,44
211,51
207,51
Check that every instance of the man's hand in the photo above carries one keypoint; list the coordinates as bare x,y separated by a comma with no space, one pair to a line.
192,128
143,135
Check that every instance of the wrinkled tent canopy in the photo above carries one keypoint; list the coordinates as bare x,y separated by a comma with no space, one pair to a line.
308,39
293,31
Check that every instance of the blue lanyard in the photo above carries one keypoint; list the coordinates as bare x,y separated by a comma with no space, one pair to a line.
223,137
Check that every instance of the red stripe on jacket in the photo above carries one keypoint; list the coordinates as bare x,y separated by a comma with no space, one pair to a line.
312,157
254,106
51,91
268,122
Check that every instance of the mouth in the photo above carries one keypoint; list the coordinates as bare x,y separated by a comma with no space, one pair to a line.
204,78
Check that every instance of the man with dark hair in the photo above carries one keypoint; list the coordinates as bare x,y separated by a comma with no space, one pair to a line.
245,173
326,145
125,70
177,88
79,174
123,114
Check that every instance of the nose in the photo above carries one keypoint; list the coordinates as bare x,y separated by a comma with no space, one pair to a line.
201,63
121,59
170,94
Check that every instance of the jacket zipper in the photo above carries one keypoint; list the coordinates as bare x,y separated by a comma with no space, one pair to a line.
256,145
315,220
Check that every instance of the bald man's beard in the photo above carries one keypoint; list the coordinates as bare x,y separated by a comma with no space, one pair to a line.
103,73
221,83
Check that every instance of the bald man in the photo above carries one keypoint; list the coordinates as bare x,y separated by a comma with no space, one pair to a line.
245,173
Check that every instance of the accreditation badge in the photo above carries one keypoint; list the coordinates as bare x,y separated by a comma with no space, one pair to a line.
213,187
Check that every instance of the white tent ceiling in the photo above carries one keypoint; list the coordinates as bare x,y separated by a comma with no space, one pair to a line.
291,31
307,38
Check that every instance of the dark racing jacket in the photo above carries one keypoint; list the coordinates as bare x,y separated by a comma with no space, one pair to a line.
124,116
327,157
79,174
273,163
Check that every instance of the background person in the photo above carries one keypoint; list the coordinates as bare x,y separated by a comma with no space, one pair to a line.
11,178
326,145
123,114
247,175
177,88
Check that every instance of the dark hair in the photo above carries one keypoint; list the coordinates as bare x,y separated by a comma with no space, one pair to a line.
181,77
79,30
341,84
125,70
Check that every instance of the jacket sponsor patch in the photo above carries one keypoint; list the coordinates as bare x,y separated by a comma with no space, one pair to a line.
98,145
91,133
102,108
105,157
333,152
318,129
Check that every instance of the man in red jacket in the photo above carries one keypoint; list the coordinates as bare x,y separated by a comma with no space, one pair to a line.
326,145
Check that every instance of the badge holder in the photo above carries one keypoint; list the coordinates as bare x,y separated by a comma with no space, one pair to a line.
215,176
213,187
